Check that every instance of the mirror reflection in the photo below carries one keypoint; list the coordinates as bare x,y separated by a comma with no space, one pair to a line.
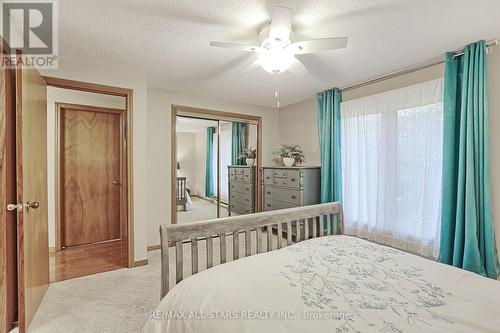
216,168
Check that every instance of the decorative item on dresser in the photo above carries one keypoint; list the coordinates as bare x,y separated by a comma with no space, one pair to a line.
241,189
287,187
290,154
248,155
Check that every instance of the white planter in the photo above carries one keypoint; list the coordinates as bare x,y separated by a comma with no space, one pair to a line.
288,161
250,161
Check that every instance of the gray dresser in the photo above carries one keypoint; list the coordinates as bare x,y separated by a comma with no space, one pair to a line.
287,187
241,186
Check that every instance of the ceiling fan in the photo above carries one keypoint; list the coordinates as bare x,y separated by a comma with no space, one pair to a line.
277,50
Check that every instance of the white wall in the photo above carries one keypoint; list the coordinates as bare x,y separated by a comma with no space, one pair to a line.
159,148
186,156
123,78
298,126
252,136
58,95
302,115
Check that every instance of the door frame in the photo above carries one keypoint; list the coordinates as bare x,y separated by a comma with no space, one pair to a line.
128,94
60,108
194,112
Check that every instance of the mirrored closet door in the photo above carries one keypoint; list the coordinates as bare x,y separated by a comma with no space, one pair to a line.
196,168
216,165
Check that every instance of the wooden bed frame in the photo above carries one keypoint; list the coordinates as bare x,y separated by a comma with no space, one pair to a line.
181,192
305,219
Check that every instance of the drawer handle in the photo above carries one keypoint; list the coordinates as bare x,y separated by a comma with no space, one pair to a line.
293,196
268,205
268,177
268,192
293,179
248,200
248,189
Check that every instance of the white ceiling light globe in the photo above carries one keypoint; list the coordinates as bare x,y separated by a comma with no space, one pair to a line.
276,55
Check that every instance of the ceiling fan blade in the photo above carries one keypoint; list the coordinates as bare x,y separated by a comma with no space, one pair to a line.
320,44
236,46
281,23
298,68
254,65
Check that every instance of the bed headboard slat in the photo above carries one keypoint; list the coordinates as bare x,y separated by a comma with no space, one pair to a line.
194,255
222,247
210,252
291,226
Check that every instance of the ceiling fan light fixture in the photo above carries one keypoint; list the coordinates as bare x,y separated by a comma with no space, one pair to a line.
276,55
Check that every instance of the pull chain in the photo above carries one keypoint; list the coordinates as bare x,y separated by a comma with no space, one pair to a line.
277,89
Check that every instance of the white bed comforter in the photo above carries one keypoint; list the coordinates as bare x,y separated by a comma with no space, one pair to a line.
331,284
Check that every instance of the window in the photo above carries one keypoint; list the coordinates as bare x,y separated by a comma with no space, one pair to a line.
392,165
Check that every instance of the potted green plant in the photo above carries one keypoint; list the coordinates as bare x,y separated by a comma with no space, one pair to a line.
290,154
248,155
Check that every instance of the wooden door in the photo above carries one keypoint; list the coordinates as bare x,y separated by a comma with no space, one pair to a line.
8,219
32,224
90,155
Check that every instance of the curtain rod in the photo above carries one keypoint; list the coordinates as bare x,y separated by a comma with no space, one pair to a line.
426,64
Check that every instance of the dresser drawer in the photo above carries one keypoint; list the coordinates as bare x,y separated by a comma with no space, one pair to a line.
283,194
268,176
280,173
246,198
270,204
293,178
240,208
282,177
280,181
243,177
232,174
241,188
247,171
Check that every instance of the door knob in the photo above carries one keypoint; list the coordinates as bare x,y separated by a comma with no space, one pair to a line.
33,204
115,182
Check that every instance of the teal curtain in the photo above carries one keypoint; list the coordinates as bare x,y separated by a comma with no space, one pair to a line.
328,119
238,142
467,231
209,164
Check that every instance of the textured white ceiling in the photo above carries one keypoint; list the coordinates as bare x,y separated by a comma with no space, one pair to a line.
168,40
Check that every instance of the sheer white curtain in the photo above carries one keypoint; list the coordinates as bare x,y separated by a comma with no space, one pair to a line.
391,163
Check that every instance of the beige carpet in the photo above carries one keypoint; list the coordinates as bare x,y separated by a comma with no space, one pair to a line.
116,301
200,210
